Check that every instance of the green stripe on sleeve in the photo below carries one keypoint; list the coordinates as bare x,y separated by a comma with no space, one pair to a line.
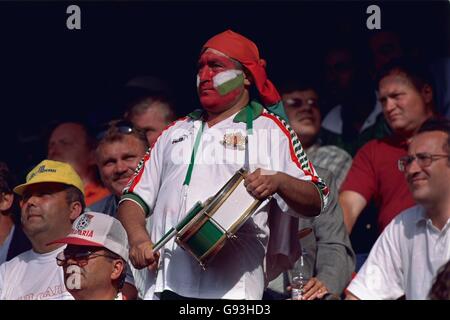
138,200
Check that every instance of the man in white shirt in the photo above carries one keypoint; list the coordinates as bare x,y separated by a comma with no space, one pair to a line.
169,180
95,259
407,255
52,198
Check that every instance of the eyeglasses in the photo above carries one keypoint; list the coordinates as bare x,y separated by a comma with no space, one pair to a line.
297,102
81,258
122,126
423,160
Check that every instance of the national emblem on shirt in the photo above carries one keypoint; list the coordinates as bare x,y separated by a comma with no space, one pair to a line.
234,140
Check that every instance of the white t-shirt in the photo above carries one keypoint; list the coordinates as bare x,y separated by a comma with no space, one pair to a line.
33,276
4,247
237,271
404,260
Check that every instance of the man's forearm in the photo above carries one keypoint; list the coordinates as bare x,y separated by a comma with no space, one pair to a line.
302,196
132,218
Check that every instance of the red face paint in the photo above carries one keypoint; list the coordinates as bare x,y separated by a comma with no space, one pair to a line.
209,65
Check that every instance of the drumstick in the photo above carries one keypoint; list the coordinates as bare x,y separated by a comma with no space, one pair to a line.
198,206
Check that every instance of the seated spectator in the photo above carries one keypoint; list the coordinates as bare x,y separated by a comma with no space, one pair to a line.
95,259
385,46
301,102
354,115
149,107
119,149
441,286
407,255
152,115
407,98
52,198
12,239
70,142
326,244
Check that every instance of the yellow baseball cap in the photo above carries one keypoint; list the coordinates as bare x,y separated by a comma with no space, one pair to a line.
52,171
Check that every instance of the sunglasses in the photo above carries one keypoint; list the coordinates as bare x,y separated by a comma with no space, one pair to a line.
297,102
122,126
80,258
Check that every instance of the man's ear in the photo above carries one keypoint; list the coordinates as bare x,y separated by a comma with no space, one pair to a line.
75,210
248,78
6,201
118,266
427,94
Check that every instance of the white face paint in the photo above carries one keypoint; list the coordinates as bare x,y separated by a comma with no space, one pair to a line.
198,81
225,76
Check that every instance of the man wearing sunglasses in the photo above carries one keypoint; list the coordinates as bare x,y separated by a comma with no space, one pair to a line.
195,158
301,102
119,149
95,258
407,255
52,198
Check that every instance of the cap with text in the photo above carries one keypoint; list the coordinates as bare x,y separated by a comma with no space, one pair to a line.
51,171
97,229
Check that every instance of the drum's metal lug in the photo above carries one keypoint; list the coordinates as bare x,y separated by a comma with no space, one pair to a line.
231,236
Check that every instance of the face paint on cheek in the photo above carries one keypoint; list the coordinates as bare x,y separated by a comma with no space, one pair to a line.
227,81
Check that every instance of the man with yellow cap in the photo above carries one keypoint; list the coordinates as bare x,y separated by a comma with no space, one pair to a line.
197,155
52,198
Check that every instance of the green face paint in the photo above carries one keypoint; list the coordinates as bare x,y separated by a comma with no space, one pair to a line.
228,80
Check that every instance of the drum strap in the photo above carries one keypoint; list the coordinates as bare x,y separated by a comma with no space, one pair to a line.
187,179
249,127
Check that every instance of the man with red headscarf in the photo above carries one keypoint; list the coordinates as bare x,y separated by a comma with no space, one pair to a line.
197,155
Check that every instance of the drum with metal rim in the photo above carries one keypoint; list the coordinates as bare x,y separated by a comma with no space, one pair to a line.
219,219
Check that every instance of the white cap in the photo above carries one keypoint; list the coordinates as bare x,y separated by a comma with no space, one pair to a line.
97,229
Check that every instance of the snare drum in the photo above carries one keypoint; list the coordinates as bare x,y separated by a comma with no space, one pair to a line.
220,218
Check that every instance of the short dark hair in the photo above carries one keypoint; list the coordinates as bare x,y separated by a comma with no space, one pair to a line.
413,69
7,179
123,275
73,194
141,104
299,84
111,132
90,140
441,286
437,123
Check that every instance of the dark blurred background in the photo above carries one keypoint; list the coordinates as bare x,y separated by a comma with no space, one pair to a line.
49,73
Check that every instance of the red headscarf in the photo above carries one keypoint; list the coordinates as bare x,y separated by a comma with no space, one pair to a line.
246,52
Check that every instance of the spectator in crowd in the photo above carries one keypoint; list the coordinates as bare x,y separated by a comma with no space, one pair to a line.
52,198
416,243
406,95
71,142
95,258
228,65
354,115
326,245
120,147
12,239
302,105
385,46
151,114
441,286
